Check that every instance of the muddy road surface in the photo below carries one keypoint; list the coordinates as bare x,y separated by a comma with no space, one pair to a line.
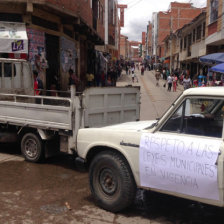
56,192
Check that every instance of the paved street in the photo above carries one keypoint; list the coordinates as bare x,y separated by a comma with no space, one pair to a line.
154,100
56,192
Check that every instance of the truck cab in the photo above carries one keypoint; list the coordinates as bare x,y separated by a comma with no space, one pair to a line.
16,76
181,154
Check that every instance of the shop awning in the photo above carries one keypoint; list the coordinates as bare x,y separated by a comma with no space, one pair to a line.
218,68
212,59
167,61
13,38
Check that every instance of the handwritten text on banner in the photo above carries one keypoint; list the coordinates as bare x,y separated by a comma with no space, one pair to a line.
180,164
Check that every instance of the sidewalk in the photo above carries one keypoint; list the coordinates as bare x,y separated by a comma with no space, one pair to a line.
125,80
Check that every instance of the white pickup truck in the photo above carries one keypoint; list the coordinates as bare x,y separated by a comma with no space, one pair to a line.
181,154
45,125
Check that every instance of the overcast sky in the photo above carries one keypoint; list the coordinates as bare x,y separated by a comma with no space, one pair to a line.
139,12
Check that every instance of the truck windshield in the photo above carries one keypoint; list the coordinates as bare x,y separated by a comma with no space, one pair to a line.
158,119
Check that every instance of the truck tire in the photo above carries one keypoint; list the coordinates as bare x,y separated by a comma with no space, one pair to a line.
111,181
32,148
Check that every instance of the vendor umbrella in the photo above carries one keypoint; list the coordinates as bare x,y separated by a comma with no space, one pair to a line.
218,68
212,59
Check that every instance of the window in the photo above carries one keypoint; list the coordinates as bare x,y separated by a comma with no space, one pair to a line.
111,12
214,7
174,123
198,33
181,44
193,35
101,14
204,117
198,117
7,70
189,40
203,30
185,42
189,45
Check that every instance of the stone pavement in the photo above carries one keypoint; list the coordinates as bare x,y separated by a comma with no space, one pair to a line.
125,80
155,100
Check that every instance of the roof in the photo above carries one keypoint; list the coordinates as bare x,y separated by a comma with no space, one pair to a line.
205,91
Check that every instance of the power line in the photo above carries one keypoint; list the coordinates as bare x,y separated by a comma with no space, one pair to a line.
139,1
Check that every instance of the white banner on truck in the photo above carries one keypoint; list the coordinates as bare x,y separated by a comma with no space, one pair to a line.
180,164
13,38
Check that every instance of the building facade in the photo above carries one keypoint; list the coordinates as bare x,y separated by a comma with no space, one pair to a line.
62,35
124,47
215,26
149,41
168,22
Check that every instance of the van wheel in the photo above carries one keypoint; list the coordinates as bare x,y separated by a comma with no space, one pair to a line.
111,181
32,147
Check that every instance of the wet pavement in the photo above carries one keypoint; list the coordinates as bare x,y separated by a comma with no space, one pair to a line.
57,192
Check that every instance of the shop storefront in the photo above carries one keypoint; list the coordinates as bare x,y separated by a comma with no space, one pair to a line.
68,59
13,40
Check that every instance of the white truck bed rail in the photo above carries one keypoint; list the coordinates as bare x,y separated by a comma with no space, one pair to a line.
43,112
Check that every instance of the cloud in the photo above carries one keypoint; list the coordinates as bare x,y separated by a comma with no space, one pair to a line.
139,12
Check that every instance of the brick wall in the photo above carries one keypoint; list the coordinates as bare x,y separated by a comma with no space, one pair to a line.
220,17
217,25
212,28
164,26
123,46
178,15
143,38
66,4
78,7
100,23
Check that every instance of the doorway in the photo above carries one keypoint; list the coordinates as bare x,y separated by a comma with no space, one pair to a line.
52,55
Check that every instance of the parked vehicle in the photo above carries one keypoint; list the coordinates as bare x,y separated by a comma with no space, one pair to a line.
16,76
181,154
45,125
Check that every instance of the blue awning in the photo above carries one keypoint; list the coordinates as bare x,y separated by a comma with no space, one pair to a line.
218,68
212,59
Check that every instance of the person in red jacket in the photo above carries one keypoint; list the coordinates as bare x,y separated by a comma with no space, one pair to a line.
35,86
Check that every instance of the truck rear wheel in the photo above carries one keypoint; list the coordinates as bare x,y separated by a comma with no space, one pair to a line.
32,147
111,181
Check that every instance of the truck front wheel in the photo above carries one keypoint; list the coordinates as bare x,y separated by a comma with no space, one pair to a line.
111,181
32,147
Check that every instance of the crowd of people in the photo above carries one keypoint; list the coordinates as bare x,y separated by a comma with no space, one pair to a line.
178,77
114,69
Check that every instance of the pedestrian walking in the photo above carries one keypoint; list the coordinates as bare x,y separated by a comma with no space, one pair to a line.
164,74
187,82
142,70
174,83
157,76
167,73
169,82
126,68
133,76
38,84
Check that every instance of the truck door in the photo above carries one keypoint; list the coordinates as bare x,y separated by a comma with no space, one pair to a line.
110,105
185,156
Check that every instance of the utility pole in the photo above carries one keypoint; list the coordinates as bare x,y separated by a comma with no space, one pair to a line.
106,22
171,43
